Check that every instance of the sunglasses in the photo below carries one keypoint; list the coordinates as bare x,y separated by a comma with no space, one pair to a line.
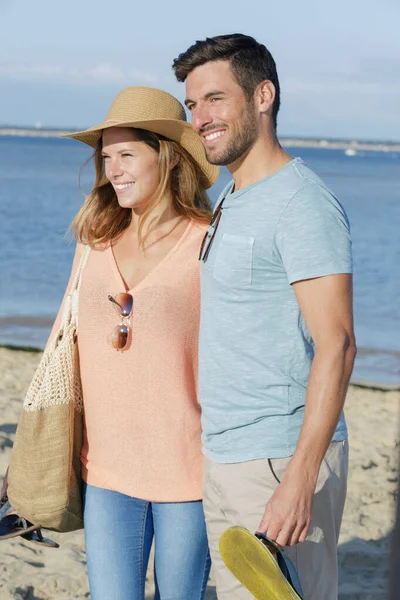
123,305
210,234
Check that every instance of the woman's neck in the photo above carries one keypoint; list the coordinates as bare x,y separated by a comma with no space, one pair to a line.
159,223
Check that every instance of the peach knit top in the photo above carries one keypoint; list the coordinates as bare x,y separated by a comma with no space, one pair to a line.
142,416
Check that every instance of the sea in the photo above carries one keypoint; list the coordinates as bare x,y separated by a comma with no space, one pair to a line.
42,185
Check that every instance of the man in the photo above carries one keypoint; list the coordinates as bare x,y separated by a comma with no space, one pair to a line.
276,343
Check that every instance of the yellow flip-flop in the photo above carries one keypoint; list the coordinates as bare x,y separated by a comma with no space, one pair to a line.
260,565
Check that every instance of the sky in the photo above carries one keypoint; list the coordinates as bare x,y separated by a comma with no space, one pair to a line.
62,63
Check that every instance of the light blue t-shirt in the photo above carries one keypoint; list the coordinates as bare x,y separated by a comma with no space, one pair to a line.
255,348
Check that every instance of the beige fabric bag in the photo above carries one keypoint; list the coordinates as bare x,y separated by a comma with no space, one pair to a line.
44,482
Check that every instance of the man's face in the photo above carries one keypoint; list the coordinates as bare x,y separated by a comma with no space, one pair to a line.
221,114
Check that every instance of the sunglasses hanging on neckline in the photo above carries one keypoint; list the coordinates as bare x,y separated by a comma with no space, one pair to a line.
210,233
123,306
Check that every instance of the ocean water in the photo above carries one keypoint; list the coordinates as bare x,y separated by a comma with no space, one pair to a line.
40,193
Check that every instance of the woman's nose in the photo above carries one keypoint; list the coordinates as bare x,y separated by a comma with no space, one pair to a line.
114,168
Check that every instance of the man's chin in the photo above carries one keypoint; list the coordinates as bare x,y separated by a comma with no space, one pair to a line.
215,159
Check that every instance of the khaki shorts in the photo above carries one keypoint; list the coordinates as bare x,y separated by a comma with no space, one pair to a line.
236,494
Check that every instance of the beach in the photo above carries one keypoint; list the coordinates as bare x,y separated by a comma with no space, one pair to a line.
30,572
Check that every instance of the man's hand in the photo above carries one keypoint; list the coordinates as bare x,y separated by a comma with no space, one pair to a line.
287,514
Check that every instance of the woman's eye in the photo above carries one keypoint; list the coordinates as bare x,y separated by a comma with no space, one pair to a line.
105,157
126,154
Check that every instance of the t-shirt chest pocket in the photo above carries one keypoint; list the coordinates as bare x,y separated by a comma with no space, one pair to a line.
234,260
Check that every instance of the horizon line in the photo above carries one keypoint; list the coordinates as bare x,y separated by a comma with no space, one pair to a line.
40,131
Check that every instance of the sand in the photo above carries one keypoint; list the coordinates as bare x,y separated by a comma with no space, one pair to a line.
31,572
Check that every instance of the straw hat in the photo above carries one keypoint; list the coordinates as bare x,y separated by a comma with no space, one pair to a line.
157,111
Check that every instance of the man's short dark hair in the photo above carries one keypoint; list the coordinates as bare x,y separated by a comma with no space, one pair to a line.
250,62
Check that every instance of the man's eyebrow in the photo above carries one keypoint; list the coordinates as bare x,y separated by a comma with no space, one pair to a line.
206,96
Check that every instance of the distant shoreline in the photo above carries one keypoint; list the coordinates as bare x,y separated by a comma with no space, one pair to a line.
293,142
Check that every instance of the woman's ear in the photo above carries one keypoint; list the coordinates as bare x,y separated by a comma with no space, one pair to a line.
174,160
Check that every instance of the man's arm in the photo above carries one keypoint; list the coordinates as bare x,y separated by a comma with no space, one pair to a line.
326,304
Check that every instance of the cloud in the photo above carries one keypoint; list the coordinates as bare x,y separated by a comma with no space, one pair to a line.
343,105
105,73
372,75
294,85
380,70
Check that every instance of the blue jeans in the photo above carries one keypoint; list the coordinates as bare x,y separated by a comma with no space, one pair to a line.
119,531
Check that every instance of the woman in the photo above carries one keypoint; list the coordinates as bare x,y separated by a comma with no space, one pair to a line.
138,327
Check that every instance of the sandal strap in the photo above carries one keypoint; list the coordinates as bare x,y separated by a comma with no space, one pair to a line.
285,564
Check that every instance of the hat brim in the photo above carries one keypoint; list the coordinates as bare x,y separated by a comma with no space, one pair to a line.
173,129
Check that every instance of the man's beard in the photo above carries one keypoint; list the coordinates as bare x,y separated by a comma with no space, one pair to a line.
241,144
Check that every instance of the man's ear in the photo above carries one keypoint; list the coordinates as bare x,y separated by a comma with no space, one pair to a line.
264,96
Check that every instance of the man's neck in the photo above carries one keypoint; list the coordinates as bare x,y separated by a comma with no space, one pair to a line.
263,159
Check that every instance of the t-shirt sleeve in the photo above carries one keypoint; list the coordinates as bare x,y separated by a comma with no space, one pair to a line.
312,237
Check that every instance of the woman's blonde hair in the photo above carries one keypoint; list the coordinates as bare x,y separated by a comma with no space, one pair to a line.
101,219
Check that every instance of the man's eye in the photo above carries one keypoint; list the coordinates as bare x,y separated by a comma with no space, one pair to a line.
215,99
126,154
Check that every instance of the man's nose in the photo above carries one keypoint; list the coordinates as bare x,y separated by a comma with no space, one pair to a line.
201,117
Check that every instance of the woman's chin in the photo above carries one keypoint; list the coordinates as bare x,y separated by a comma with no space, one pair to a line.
135,202
126,202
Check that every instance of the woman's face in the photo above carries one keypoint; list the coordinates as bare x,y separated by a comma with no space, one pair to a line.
131,166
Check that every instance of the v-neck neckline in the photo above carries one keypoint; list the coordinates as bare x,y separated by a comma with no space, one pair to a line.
118,274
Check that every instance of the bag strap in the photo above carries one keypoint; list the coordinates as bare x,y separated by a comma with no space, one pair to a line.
70,314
